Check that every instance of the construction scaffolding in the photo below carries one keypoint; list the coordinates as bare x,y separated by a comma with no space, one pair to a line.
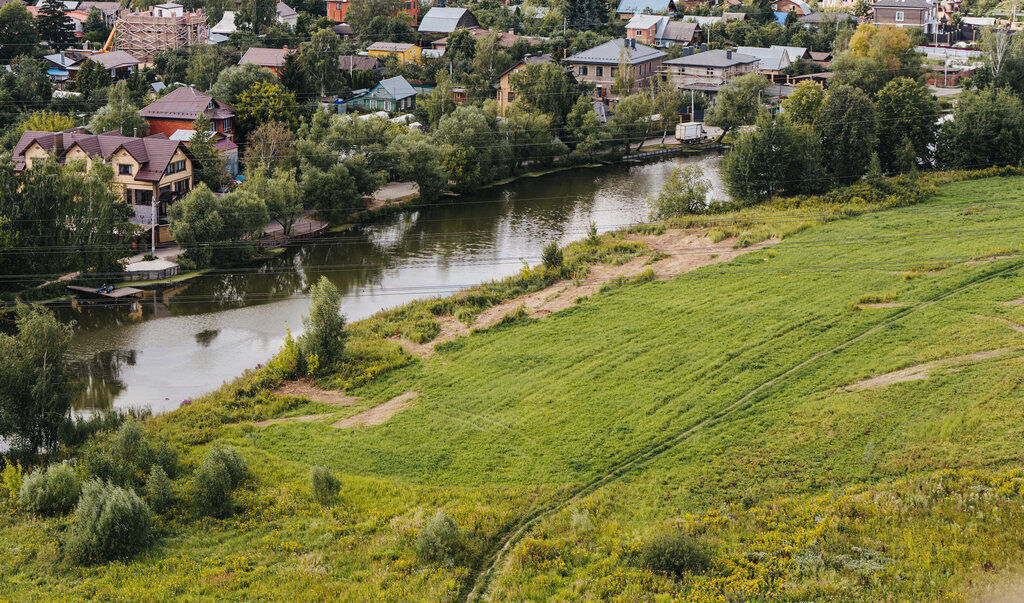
165,26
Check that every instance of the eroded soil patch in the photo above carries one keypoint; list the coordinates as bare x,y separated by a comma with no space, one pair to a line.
379,414
303,388
922,371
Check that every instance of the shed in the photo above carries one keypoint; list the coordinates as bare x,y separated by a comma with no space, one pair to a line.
447,20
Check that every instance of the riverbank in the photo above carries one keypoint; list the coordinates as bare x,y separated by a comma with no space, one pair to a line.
735,405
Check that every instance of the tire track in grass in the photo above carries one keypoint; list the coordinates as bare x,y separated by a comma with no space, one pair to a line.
478,588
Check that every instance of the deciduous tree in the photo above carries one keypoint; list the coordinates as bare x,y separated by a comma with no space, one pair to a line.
848,137
738,103
987,129
119,114
906,113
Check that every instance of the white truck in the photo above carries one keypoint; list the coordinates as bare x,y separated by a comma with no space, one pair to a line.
691,131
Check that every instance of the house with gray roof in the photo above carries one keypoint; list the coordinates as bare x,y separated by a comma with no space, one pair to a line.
661,32
906,13
600,64
627,9
708,71
393,95
443,20
771,61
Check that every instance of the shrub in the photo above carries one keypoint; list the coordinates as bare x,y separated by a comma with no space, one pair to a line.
110,522
12,478
323,485
221,471
50,492
159,490
552,256
325,326
440,541
674,554
128,456
686,192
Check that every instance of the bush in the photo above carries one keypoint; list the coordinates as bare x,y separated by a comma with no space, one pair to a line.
686,192
159,490
128,456
50,492
324,339
323,485
552,256
221,471
12,478
674,554
110,522
440,541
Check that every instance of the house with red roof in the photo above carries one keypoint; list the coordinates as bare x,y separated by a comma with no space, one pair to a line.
180,107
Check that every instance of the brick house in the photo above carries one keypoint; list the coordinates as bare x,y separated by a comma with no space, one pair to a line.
179,108
600,65
661,32
708,71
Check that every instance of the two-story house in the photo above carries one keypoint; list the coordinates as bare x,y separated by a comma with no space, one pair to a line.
708,71
337,10
906,13
180,107
661,32
151,172
600,65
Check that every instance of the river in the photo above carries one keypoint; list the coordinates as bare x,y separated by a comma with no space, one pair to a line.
186,340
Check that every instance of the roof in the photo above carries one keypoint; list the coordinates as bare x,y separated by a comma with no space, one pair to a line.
67,60
389,46
115,59
226,25
635,7
152,152
447,20
714,58
186,103
358,63
107,8
821,57
342,29
265,57
679,31
812,18
734,16
644,21
921,4
703,21
806,8
397,87
610,53
285,12
795,52
775,58
527,60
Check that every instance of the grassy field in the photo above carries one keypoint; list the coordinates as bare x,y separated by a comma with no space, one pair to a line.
722,404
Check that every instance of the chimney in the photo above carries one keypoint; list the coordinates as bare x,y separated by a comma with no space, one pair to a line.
728,54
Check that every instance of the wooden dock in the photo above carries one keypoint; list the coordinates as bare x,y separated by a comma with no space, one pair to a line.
119,293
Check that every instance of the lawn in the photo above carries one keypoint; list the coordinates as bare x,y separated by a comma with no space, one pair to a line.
722,404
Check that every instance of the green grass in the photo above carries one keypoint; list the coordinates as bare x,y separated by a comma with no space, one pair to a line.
714,404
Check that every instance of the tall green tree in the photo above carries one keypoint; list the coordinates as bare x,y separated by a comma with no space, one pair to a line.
92,76
210,170
530,136
848,137
547,88
204,66
35,397
281,192
583,127
293,75
987,129
215,230
420,162
119,114
738,103
474,153
264,102
235,80
257,15
320,60
325,333
804,105
54,26
580,14
906,114
776,157
632,121
17,30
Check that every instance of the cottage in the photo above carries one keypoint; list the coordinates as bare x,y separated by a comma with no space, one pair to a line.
771,61
337,10
661,32
180,107
151,173
627,9
118,62
440,20
392,95
271,59
708,71
406,53
905,13
505,94
600,65
287,15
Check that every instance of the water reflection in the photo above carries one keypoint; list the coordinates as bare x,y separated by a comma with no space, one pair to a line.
183,341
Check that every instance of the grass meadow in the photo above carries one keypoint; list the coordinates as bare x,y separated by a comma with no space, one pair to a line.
720,404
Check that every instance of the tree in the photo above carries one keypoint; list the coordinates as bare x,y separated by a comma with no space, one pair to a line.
263,103
625,76
270,145
119,114
17,30
280,191
210,170
54,26
584,129
332,190
738,103
386,27
235,80
491,58
686,192
473,152
876,55
580,14
46,121
293,75
91,76
439,102
632,120
320,59
667,102
1004,55
461,46
325,335
27,83
420,162
530,137
362,12
35,397
547,88
256,14
862,9
804,105
848,136
95,29
216,230
776,157
987,129
172,65
906,113
204,67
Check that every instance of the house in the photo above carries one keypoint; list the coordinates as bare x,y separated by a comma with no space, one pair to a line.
446,20
287,15
799,7
358,63
62,67
181,106
660,32
110,10
906,13
226,25
343,31
505,94
151,173
392,95
627,9
142,34
708,71
600,64
271,59
505,38
727,16
406,53
119,63
337,10
771,61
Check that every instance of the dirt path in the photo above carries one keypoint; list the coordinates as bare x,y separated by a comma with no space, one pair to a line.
303,388
379,414
302,419
922,371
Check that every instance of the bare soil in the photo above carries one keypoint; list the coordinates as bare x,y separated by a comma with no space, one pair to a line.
302,419
303,388
881,305
993,258
379,414
922,371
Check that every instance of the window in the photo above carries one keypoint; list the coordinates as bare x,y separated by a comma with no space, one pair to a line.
899,16
600,71
175,167
583,70
124,169
511,96
639,32
710,71
339,6
613,72
227,125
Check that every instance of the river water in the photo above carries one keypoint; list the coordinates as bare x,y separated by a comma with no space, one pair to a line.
184,341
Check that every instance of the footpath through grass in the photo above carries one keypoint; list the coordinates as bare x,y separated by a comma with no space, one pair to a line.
717,404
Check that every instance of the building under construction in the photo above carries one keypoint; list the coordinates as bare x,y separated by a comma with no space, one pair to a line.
159,28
